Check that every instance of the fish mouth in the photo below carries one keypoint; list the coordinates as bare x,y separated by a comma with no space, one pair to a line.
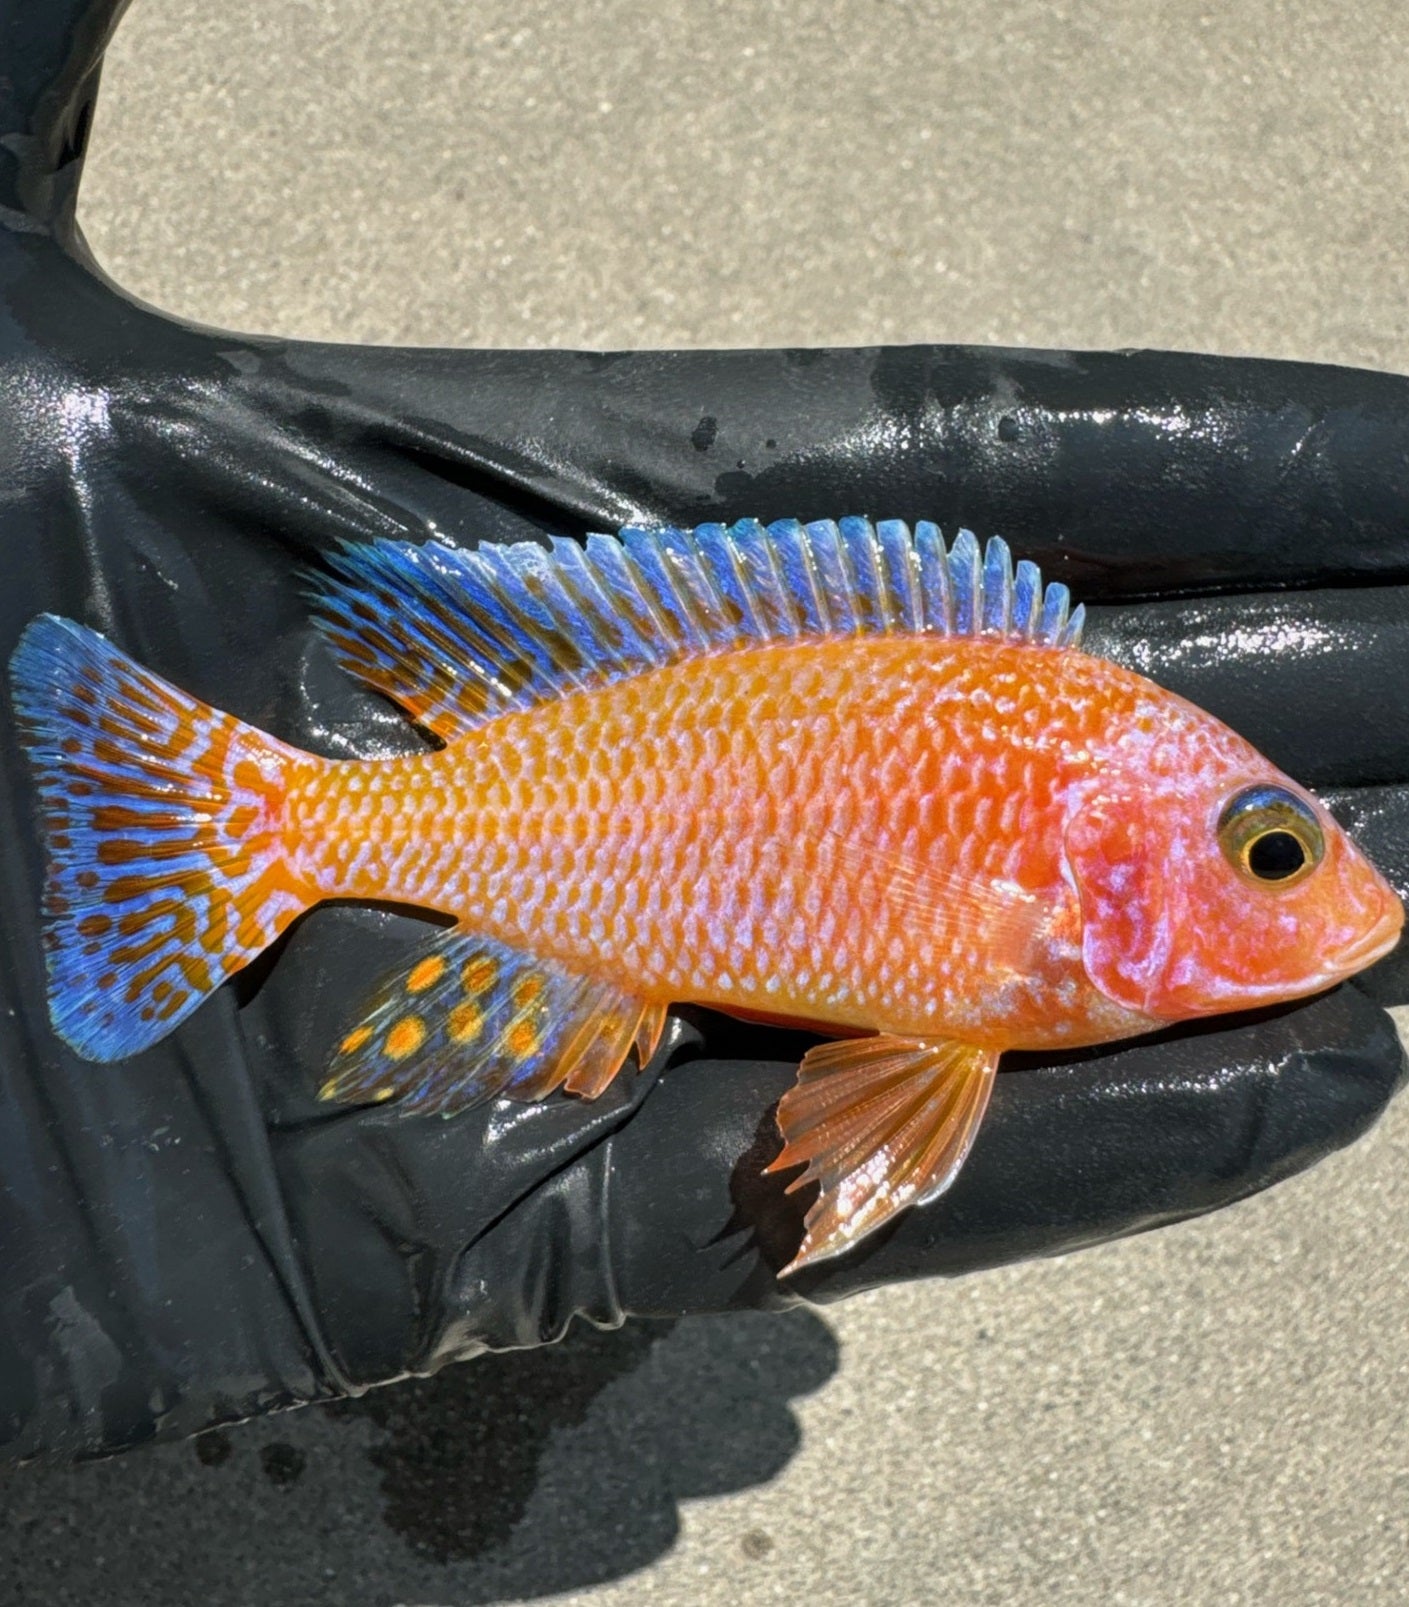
1372,945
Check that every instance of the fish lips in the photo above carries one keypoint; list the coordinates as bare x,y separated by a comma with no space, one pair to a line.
1363,951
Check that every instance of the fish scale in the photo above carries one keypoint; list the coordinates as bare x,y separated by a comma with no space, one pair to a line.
835,774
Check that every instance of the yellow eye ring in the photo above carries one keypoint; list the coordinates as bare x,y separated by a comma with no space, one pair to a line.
1270,837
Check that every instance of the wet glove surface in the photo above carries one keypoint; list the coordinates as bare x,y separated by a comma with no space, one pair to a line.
189,1236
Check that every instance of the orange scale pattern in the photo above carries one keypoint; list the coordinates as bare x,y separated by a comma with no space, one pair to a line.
727,830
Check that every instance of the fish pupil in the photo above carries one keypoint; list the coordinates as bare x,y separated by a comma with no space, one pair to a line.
1275,855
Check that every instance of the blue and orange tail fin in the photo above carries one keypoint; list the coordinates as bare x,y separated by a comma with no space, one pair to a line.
163,824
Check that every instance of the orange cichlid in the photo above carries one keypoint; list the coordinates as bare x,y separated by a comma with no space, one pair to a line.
828,773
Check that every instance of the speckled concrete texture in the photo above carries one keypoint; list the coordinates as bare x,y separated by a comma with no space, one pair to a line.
651,172
1212,1414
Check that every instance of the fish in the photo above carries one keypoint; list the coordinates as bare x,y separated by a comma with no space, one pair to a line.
842,774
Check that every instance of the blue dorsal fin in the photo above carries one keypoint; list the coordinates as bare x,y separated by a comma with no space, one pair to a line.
460,637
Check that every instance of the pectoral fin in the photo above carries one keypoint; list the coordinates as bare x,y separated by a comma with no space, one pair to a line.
881,1123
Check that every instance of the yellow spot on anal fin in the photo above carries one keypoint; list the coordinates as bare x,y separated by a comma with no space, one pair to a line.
425,974
479,973
521,1039
405,1037
354,1040
527,991
381,1095
466,1022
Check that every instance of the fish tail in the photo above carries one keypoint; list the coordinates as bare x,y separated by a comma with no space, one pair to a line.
163,821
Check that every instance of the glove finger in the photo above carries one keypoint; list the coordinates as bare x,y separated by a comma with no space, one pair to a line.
1125,474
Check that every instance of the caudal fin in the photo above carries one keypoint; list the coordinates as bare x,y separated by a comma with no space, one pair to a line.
163,822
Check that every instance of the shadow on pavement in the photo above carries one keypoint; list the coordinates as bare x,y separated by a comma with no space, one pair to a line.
515,1475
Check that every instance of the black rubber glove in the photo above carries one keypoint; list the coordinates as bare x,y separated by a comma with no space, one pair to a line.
190,1237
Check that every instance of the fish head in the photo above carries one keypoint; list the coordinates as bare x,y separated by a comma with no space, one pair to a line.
1209,881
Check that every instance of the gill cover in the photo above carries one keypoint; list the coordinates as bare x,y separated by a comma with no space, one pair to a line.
1129,910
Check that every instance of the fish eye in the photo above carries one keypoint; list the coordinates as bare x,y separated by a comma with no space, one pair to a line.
1270,837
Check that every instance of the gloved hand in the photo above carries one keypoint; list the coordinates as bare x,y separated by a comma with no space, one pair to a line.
189,1237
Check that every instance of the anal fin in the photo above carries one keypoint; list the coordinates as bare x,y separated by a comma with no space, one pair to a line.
881,1123
472,1019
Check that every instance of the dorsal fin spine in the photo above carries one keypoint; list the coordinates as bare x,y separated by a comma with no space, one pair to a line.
902,573
688,579
494,620
621,587
618,629
759,566
997,589
871,599
1027,599
519,571
823,540
966,581
936,591
722,563
575,578
800,576
892,597
892,587
1054,613
725,613
578,623
669,607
